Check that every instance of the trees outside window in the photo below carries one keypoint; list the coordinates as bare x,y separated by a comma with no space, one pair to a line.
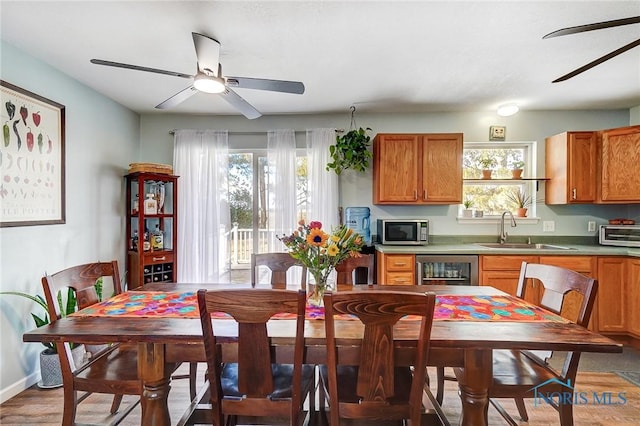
491,195
250,182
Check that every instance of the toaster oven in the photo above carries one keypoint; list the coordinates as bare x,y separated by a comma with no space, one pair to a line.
620,235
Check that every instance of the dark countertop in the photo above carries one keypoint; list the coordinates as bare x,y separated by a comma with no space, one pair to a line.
474,248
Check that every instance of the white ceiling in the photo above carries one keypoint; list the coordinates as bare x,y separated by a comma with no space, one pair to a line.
379,56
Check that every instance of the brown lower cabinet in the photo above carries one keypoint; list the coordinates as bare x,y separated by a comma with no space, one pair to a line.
396,269
612,294
633,300
502,272
617,308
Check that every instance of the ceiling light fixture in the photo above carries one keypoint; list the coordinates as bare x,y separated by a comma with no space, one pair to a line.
508,110
208,83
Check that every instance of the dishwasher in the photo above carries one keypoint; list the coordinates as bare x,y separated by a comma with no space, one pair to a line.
447,269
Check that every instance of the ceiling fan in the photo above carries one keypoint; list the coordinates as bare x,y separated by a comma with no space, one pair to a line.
209,79
591,27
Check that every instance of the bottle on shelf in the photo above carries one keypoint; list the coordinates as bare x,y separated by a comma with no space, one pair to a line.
157,239
134,241
150,204
146,245
135,205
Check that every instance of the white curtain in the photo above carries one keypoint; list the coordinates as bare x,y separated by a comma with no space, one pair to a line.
281,157
323,185
200,159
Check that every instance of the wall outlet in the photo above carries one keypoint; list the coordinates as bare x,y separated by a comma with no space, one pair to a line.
548,226
591,226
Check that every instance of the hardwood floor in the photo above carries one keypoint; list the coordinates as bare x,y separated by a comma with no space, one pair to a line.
44,407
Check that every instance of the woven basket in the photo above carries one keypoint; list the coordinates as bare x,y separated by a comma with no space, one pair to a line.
163,169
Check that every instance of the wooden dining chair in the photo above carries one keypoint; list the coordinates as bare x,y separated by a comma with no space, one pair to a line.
347,270
255,385
279,264
524,374
372,385
114,370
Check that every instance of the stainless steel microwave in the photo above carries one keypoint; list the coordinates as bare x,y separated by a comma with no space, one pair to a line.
404,232
620,235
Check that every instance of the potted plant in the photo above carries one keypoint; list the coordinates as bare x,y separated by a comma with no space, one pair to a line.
516,169
467,211
50,372
487,164
522,201
351,151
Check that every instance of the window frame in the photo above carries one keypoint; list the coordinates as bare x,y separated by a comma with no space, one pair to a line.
528,182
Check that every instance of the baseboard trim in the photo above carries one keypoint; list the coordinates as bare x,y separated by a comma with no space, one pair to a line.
23,384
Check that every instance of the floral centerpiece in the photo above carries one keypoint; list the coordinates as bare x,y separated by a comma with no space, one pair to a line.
321,252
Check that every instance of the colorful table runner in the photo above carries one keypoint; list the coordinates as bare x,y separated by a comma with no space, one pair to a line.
147,304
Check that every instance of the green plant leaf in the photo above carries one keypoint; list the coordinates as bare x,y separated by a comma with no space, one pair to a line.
350,151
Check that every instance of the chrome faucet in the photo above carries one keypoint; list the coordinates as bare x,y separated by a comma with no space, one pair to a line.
503,233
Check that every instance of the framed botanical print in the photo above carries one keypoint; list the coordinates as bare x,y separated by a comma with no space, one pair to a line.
32,185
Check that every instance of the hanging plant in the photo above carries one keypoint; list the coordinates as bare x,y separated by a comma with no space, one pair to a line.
351,150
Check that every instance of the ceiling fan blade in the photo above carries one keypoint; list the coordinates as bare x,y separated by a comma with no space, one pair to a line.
594,26
208,53
264,84
138,68
240,104
178,98
598,61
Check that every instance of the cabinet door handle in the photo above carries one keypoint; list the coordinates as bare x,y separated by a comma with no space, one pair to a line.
415,194
399,264
155,259
574,194
424,194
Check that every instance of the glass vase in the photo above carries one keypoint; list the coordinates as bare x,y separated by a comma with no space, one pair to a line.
317,289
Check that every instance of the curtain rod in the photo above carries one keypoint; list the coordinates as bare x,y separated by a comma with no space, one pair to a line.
173,131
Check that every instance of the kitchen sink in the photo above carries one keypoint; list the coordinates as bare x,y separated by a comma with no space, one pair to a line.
523,246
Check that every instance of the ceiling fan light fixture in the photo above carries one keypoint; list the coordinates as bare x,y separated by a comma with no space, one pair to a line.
508,110
208,84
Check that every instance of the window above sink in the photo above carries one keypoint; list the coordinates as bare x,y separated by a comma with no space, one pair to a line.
490,195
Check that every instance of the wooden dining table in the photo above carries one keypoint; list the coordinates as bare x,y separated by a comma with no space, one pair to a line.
164,342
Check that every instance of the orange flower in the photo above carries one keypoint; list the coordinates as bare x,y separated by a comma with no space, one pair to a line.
317,237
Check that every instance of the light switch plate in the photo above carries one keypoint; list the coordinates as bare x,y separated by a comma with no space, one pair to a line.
548,226
591,226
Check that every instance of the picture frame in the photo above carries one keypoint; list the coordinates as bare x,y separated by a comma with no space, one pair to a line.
497,133
32,158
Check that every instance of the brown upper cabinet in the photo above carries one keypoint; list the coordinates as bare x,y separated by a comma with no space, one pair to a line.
570,164
417,168
596,167
619,153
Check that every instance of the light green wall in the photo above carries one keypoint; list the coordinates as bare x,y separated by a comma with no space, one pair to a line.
356,190
634,116
102,138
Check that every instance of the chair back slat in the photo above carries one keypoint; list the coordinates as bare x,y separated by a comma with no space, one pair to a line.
347,269
81,279
377,365
561,287
558,283
279,264
110,370
252,309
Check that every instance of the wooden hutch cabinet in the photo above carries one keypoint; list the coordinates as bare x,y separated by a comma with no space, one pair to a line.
151,228
417,168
